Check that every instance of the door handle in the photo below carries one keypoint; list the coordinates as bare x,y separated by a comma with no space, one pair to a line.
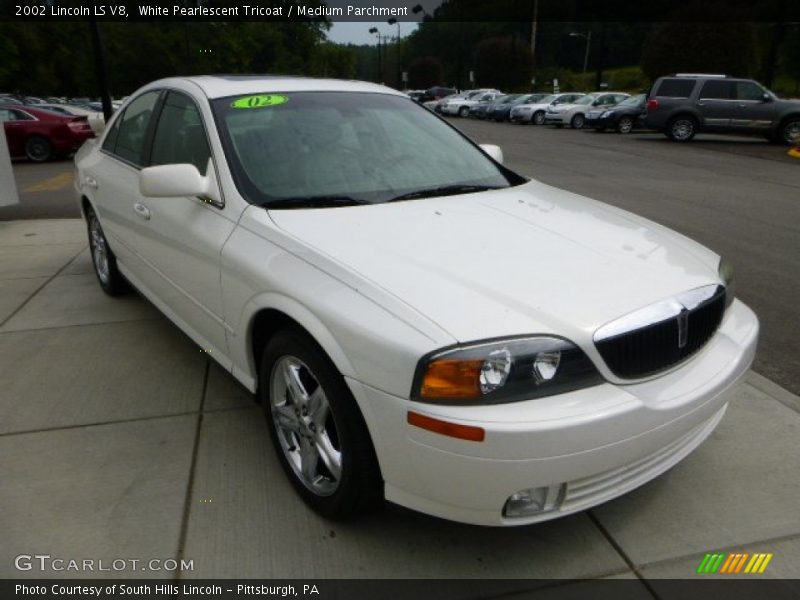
141,210
91,182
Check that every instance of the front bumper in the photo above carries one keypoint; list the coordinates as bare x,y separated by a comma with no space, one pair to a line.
596,443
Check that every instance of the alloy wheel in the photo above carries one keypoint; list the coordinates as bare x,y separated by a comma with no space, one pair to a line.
625,125
99,249
305,426
682,129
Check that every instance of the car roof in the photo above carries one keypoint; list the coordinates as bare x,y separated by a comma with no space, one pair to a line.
221,86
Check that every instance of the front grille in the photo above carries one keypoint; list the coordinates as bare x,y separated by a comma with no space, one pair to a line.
658,346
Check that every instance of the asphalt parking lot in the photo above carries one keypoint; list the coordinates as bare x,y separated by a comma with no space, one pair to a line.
120,439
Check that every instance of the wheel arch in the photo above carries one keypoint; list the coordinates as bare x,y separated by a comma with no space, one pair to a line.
271,313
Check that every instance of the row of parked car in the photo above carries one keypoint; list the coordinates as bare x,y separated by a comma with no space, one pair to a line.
601,110
680,106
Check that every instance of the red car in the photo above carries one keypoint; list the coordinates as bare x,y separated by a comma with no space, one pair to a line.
39,134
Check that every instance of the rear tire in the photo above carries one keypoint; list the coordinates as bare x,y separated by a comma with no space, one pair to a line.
38,149
681,128
317,429
538,118
463,112
103,259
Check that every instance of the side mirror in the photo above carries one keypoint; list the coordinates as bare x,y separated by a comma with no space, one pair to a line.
765,97
172,181
494,152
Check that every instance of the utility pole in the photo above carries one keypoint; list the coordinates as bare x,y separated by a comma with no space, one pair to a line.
100,68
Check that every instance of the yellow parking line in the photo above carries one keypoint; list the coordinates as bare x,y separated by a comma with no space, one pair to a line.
54,184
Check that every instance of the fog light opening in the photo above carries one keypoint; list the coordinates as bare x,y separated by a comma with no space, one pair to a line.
534,501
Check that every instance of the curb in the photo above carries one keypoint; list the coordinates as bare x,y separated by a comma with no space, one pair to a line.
772,389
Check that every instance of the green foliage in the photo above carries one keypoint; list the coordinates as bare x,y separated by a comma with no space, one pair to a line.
688,47
504,63
57,58
425,72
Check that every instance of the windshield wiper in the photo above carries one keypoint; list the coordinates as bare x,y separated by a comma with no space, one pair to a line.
445,190
313,202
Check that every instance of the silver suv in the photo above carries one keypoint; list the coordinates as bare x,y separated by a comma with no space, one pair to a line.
684,104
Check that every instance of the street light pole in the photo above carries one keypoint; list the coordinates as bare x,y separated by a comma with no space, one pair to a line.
375,32
588,38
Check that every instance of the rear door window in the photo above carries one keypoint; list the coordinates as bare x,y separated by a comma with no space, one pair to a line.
676,88
717,90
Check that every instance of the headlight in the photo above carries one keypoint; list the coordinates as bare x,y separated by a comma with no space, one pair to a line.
726,274
507,370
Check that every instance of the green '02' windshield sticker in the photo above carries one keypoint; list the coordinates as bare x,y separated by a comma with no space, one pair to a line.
260,101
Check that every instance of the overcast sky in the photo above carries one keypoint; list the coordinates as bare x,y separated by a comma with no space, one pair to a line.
357,32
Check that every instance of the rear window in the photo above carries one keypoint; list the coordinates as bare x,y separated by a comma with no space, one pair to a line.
675,88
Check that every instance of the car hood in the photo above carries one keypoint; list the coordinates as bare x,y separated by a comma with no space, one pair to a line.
527,259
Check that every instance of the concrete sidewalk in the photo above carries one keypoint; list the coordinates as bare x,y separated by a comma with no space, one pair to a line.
120,440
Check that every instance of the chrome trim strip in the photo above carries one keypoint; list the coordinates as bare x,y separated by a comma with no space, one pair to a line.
657,313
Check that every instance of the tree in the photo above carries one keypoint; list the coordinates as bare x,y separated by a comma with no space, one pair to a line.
425,72
503,62
696,47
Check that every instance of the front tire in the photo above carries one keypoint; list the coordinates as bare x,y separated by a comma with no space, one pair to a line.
681,129
789,132
463,112
103,259
625,125
317,429
538,117
38,149
578,121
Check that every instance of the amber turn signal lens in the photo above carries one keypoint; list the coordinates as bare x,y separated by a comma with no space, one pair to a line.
452,379
462,432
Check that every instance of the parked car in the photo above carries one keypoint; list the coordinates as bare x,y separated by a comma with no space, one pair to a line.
39,134
377,291
460,105
96,119
501,111
80,101
683,105
32,100
623,118
415,94
436,105
574,114
485,108
437,93
10,100
534,113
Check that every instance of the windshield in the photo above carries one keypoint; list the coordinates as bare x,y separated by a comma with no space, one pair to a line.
317,149
547,99
585,99
632,101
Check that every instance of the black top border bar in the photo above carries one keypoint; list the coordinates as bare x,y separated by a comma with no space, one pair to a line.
714,11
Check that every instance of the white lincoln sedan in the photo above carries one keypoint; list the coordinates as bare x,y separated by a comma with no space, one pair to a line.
420,323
